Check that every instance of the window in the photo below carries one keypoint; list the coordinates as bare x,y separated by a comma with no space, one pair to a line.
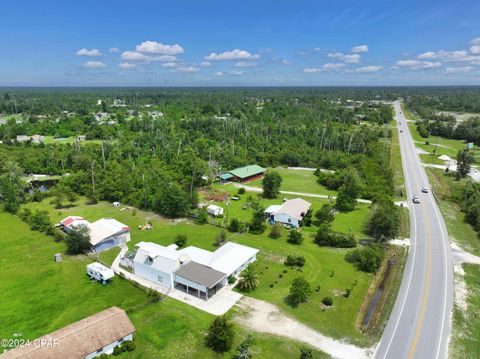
149,260
289,220
160,279
99,350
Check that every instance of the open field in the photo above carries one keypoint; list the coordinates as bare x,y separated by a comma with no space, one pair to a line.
43,296
458,229
320,264
297,181
466,326
67,140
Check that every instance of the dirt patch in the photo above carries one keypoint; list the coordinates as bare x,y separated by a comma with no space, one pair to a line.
214,195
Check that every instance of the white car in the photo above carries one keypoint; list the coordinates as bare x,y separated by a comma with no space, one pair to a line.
425,190
416,199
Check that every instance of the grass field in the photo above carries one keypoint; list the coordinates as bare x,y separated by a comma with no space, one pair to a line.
42,296
48,140
297,181
458,229
466,326
321,262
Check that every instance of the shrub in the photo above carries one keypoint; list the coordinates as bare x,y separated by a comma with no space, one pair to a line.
202,216
325,237
181,240
231,279
129,345
299,292
220,238
326,214
295,237
117,350
241,190
295,261
220,335
366,259
328,301
234,225
276,231
383,223
306,353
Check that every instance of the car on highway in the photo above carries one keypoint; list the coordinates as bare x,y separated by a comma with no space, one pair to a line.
401,131
416,199
425,190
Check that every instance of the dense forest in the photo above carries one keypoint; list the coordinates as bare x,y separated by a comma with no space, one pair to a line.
151,142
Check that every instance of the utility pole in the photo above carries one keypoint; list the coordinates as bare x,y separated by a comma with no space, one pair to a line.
93,179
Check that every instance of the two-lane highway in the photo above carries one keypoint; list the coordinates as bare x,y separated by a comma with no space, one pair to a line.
420,323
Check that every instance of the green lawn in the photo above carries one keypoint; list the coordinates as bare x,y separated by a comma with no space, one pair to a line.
458,229
321,262
297,181
466,326
42,296
48,140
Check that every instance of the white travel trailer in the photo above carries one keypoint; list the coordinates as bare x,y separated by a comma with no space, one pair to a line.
99,272
214,210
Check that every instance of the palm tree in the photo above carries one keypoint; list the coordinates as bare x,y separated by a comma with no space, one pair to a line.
248,280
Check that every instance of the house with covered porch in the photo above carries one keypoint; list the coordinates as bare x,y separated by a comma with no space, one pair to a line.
194,270
243,174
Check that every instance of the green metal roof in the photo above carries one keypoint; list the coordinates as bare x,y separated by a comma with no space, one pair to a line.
247,171
225,176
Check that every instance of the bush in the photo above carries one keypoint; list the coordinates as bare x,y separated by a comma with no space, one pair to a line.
306,353
129,345
325,237
295,237
202,216
231,279
117,350
241,190
328,301
295,261
384,222
220,238
326,214
366,259
299,292
276,231
220,335
234,225
181,240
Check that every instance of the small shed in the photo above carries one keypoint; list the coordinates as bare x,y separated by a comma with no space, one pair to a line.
116,204
58,257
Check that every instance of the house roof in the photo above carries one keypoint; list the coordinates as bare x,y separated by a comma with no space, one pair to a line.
79,339
225,176
273,208
229,257
105,228
295,207
247,171
200,274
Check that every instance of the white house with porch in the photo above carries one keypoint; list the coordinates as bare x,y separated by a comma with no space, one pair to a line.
291,212
192,269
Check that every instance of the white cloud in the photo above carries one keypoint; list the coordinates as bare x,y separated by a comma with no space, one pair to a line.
219,73
236,54
359,48
286,62
169,65
312,70
186,69
127,65
114,49
94,65
456,70
237,73
447,56
475,41
85,52
245,64
417,64
317,49
137,56
206,64
475,49
368,69
329,67
348,58
153,47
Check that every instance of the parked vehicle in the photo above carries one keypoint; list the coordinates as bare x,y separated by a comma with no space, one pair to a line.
99,272
425,190
416,199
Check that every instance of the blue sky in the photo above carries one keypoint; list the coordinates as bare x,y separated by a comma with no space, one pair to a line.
237,43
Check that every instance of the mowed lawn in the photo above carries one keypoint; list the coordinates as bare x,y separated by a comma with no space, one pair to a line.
297,180
40,296
325,267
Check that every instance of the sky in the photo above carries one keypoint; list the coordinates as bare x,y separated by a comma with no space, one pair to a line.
239,43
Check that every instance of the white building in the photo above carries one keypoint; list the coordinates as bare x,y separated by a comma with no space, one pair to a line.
214,210
86,339
291,212
104,233
192,268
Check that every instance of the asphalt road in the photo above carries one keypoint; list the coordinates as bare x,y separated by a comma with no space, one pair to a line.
420,323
